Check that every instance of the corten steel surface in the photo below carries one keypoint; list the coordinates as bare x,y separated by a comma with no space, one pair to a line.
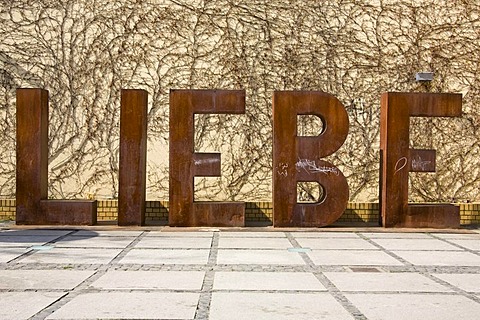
75,212
299,159
398,159
185,164
133,158
32,155
32,168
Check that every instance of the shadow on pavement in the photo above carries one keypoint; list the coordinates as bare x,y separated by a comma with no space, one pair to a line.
26,237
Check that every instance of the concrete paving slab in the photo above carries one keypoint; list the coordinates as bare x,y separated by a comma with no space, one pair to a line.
109,233
129,305
277,294
179,234
415,244
166,256
158,280
336,243
42,279
396,235
73,256
353,258
260,257
466,236
440,258
254,243
275,306
472,244
232,234
94,242
255,281
351,235
467,282
25,241
174,242
415,306
23,305
35,232
8,254
393,282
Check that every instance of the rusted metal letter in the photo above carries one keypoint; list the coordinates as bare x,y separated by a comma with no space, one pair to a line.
32,169
397,159
185,164
32,155
133,158
299,159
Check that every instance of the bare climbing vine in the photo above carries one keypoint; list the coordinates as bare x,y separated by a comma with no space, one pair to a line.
84,52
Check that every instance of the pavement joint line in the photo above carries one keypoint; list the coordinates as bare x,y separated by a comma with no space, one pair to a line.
205,299
32,251
21,257
390,253
211,267
128,248
60,238
329,285
250,267
410,293
49,266
476,252
45,312
456,289
339,296
425,272
428,273
84,286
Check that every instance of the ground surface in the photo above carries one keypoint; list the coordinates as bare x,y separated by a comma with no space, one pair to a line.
166,273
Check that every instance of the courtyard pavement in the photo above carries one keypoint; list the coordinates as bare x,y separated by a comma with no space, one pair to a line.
265,273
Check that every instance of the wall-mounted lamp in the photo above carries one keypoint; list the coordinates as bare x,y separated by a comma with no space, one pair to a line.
424,76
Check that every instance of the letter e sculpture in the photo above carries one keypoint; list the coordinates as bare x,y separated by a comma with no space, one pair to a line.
397,159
